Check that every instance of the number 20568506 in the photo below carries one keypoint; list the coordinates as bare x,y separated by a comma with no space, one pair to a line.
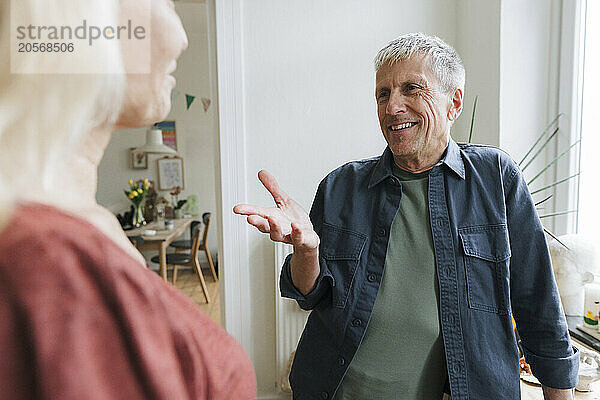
46,47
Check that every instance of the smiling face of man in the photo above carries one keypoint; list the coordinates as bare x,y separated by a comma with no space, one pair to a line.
415,113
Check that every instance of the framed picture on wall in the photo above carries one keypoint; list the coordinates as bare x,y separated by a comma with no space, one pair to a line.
139,159
170,173
169,133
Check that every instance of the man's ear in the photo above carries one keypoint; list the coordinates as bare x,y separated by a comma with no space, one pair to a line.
456,105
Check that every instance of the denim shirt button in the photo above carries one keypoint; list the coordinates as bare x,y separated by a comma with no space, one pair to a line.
371,277
341,361
393,181
381,232
356,322
324,395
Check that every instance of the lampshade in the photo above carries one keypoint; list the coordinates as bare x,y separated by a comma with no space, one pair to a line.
154,143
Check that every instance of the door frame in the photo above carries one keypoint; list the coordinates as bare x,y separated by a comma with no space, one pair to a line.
231,170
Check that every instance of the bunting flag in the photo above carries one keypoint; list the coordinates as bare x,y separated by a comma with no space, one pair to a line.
205,103
189,100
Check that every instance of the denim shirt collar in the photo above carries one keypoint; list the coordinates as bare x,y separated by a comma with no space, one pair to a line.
451,158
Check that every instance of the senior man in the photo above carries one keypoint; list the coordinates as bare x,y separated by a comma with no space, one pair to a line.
413,262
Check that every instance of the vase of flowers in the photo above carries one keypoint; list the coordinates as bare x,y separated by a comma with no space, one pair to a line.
177,204
136,193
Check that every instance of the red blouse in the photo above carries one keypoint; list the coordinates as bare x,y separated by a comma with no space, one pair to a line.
81,319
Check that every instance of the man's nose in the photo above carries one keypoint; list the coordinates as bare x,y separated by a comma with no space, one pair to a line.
396,104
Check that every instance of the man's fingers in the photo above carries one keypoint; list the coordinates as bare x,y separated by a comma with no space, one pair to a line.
249,209
296,234
260,223
277,231
304,236
270,183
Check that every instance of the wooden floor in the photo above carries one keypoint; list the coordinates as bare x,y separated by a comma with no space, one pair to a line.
188,283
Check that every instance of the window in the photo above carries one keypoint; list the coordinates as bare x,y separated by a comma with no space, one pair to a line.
589,185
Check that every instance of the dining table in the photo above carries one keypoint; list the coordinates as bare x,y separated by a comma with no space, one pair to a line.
161,239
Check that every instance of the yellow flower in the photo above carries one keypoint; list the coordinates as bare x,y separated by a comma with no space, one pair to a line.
130,182
140,191
146,184
131,195
135,194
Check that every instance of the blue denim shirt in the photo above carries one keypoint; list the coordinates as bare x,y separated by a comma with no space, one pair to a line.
491,258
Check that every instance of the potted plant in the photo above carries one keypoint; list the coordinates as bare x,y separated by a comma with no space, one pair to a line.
177,204
136,194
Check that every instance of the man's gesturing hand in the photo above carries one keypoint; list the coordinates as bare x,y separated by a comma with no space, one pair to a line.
287,222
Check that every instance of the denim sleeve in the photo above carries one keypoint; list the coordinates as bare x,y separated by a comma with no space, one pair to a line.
325,279
534,295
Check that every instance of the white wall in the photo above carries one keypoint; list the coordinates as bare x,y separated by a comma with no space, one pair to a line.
196,129
526,67
529,85
309,106
477,42
510,49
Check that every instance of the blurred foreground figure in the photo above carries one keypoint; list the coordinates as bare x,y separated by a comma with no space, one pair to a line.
81,317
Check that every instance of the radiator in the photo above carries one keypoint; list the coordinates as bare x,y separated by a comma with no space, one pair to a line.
289,321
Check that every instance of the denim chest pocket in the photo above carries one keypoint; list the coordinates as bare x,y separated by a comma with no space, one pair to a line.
341,249
487,257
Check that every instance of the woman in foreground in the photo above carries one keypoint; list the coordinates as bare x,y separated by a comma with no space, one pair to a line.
81,317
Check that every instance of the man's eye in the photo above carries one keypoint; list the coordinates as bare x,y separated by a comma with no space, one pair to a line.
382,95
412,87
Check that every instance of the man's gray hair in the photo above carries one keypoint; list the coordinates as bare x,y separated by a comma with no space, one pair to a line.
444,61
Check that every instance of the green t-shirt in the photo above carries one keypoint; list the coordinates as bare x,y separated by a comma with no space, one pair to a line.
402,353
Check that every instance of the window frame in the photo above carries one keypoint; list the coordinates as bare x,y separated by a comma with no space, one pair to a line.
569,103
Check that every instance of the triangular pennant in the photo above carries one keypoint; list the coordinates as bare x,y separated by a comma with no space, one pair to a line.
189,100
205,103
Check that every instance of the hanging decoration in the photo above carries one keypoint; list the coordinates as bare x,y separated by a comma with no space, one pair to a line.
205,103
189,99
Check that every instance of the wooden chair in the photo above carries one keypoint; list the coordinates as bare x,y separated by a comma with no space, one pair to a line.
188,259
136,241
186,245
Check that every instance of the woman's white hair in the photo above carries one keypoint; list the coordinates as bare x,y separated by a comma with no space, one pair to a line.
443,60
44,117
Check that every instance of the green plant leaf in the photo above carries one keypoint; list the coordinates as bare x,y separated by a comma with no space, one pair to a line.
554,184
539,139
546,199
540,149
561,155
557,213
553,236
473,118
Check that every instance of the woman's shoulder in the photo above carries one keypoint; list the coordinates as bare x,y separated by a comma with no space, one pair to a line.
60,274
34,230
36,235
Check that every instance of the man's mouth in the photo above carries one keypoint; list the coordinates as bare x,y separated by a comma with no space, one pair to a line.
401,127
